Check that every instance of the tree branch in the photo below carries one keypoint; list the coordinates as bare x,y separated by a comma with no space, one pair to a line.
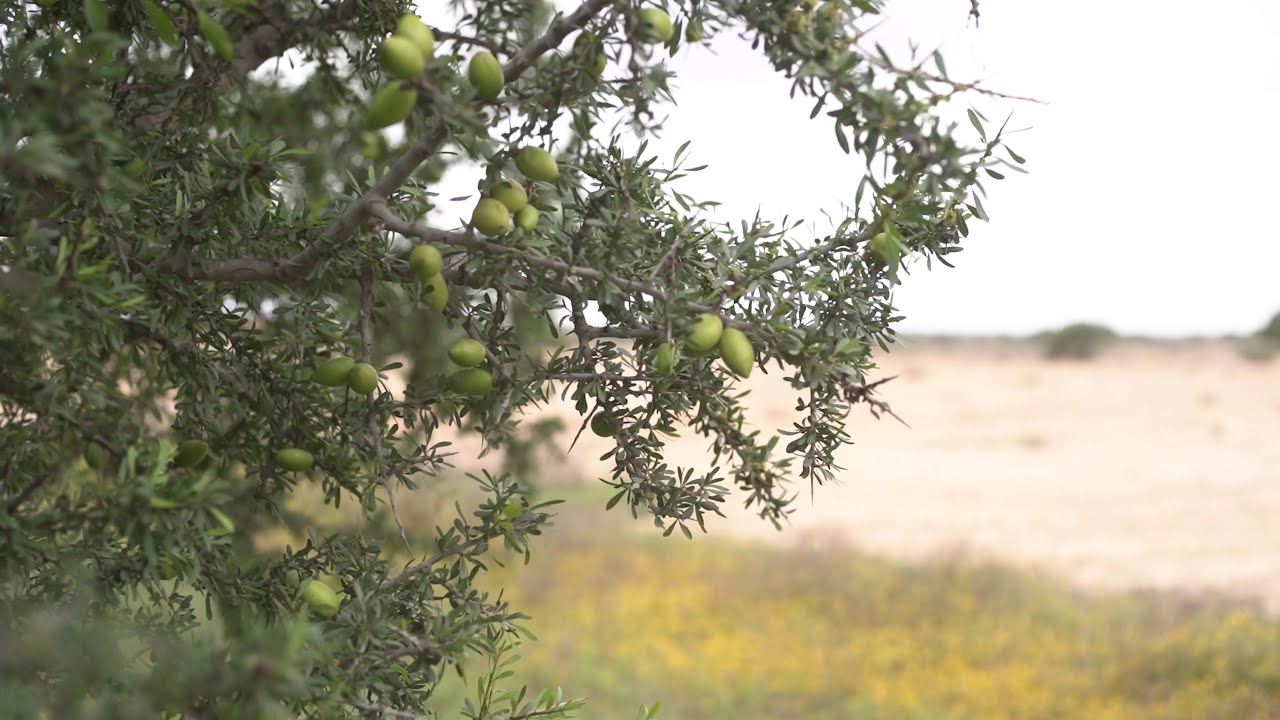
270,39
253,269
470,241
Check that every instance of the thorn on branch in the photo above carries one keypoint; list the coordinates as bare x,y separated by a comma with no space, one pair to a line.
855,393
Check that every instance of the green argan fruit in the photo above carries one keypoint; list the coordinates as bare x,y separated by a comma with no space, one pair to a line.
294,460
467,352
884,248
537,164
527,218
491,217
190,452
472,381
362,378
390,105
320,598
590,50
437,292
654,26
510,193
485,73
168,570
95,456
373,145
425,262
693,32
706,333
413,29
332,372
603,424
736,351
597,65
401,57
664,360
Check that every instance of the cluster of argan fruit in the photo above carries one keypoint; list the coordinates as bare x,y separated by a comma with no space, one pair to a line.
404,57
708,336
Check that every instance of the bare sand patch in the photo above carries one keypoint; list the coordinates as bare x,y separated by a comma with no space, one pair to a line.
1154,466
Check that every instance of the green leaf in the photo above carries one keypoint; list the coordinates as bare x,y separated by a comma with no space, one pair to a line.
1016,157
937,60
222,519
614,500
213,31
162,23
95,13
973,118
840,138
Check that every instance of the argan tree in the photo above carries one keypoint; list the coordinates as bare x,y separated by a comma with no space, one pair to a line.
218,222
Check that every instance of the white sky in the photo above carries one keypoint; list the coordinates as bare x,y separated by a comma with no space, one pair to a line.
1151,167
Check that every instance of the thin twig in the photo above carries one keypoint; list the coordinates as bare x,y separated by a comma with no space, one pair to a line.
380,709
458,549
855,393
30,488
670,254
602,377
375,428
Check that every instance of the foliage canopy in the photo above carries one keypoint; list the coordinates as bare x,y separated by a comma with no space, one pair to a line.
188,235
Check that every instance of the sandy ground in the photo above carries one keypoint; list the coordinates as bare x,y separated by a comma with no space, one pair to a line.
1156,466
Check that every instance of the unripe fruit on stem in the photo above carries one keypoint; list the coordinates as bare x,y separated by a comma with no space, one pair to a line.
362,379
510,193
467,352
437,292
491,217
590,51
603,424
706,333
401,58
664,360
320,598
654,26
537,164
736,351
527,218
485,73
884,248
294,460
333,372
95,456
597,65
472,381
413,29
693,32
389,106
190,453
425,262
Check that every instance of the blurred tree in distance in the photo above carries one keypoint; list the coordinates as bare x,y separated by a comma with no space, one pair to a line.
204,269
1077,341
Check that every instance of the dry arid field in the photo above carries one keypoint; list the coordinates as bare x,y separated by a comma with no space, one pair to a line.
1156,465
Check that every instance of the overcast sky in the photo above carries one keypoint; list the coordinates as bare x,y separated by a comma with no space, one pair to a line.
1152,165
